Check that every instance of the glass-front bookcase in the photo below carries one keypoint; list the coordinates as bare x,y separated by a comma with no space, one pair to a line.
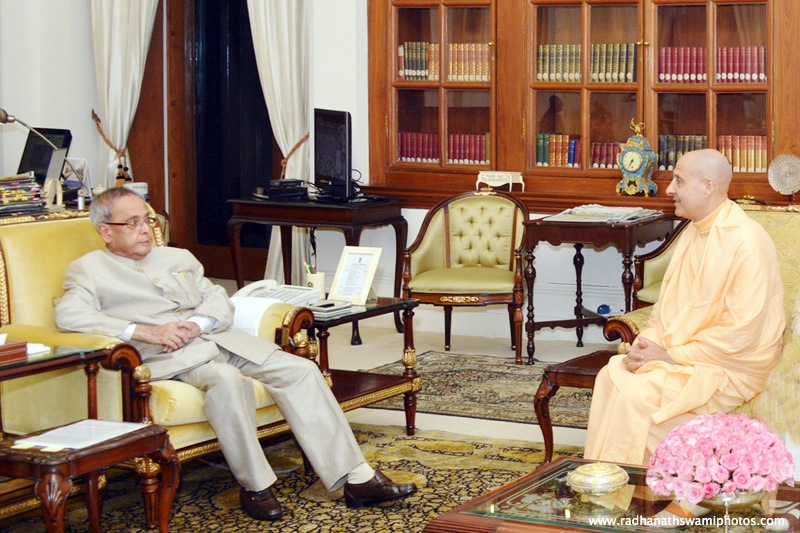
444,109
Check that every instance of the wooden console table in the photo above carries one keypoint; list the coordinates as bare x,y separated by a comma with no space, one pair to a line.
351,218
625,236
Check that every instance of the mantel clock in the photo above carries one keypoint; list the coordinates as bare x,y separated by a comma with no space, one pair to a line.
637,162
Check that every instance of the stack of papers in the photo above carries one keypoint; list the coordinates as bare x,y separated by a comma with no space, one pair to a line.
602,213
79,435
330,309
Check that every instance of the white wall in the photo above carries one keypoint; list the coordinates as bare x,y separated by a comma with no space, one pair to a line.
339,75
47,79
47,76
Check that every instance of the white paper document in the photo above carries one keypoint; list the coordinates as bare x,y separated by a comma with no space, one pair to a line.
602,213
81,434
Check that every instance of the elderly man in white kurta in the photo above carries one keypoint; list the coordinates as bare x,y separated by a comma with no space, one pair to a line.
159,300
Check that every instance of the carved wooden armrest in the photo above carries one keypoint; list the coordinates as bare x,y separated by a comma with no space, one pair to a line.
292,335
135,379
626,327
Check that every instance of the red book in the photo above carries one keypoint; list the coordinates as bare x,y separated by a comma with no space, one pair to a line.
595,155
577,153
749,64
662,64
552,155
694,68
472,150
680,67
722,64
736,63
671,60
451,148
603,155
762,63
701,64
482,149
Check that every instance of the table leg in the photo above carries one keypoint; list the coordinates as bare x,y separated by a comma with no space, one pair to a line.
410,363
235,240
627,277
170,476
401,235
530,277
578,260
286,253
52,491
322,342
92,497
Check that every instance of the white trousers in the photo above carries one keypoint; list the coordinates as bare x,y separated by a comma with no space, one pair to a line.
304,399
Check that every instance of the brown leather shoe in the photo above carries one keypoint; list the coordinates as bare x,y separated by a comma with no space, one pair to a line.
261,505
378,489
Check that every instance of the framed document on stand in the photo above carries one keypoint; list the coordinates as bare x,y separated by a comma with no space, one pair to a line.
354,274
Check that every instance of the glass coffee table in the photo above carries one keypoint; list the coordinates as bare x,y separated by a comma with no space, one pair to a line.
542,501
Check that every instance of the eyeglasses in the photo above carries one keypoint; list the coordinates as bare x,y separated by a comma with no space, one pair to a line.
134,224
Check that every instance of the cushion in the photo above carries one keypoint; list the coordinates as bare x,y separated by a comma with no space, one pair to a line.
465,280
174,402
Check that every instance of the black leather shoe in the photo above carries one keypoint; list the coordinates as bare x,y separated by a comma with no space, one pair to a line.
261,505
378,489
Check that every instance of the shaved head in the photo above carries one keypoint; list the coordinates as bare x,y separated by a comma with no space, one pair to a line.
700,183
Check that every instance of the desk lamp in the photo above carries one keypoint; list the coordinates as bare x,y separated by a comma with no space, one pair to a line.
5,118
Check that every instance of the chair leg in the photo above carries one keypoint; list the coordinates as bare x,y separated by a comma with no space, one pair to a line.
512,326
448,316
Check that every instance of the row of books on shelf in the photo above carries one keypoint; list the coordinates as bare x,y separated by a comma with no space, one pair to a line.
564,150
741,64
419,61
558,62
746,153
21,195
462,148
735,64
558,150
672,147
468,61
682,64
613,62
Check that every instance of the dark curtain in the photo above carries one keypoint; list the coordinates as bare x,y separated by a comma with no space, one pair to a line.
234,135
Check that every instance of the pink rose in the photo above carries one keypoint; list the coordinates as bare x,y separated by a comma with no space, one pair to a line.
728,487
719,473
694,492
703,475
710,490
730,461
749,462
756,483
741,478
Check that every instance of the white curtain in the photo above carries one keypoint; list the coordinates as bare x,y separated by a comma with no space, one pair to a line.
121,31
280,38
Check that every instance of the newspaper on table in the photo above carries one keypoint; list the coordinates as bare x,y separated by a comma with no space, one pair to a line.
601,213
80,434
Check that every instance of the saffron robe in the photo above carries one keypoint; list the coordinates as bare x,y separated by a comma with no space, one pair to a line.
719,316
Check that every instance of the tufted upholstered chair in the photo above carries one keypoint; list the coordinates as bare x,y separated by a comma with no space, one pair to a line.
469,253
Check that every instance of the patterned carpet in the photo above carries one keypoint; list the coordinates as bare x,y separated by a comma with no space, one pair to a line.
493,388
449,469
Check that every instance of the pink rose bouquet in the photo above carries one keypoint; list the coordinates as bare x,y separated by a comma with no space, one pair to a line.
721,453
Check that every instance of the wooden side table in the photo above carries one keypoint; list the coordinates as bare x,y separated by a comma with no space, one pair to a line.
579,372
625,236
53,473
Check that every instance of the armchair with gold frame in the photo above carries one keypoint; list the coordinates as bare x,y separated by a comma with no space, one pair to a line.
469,253
34,254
